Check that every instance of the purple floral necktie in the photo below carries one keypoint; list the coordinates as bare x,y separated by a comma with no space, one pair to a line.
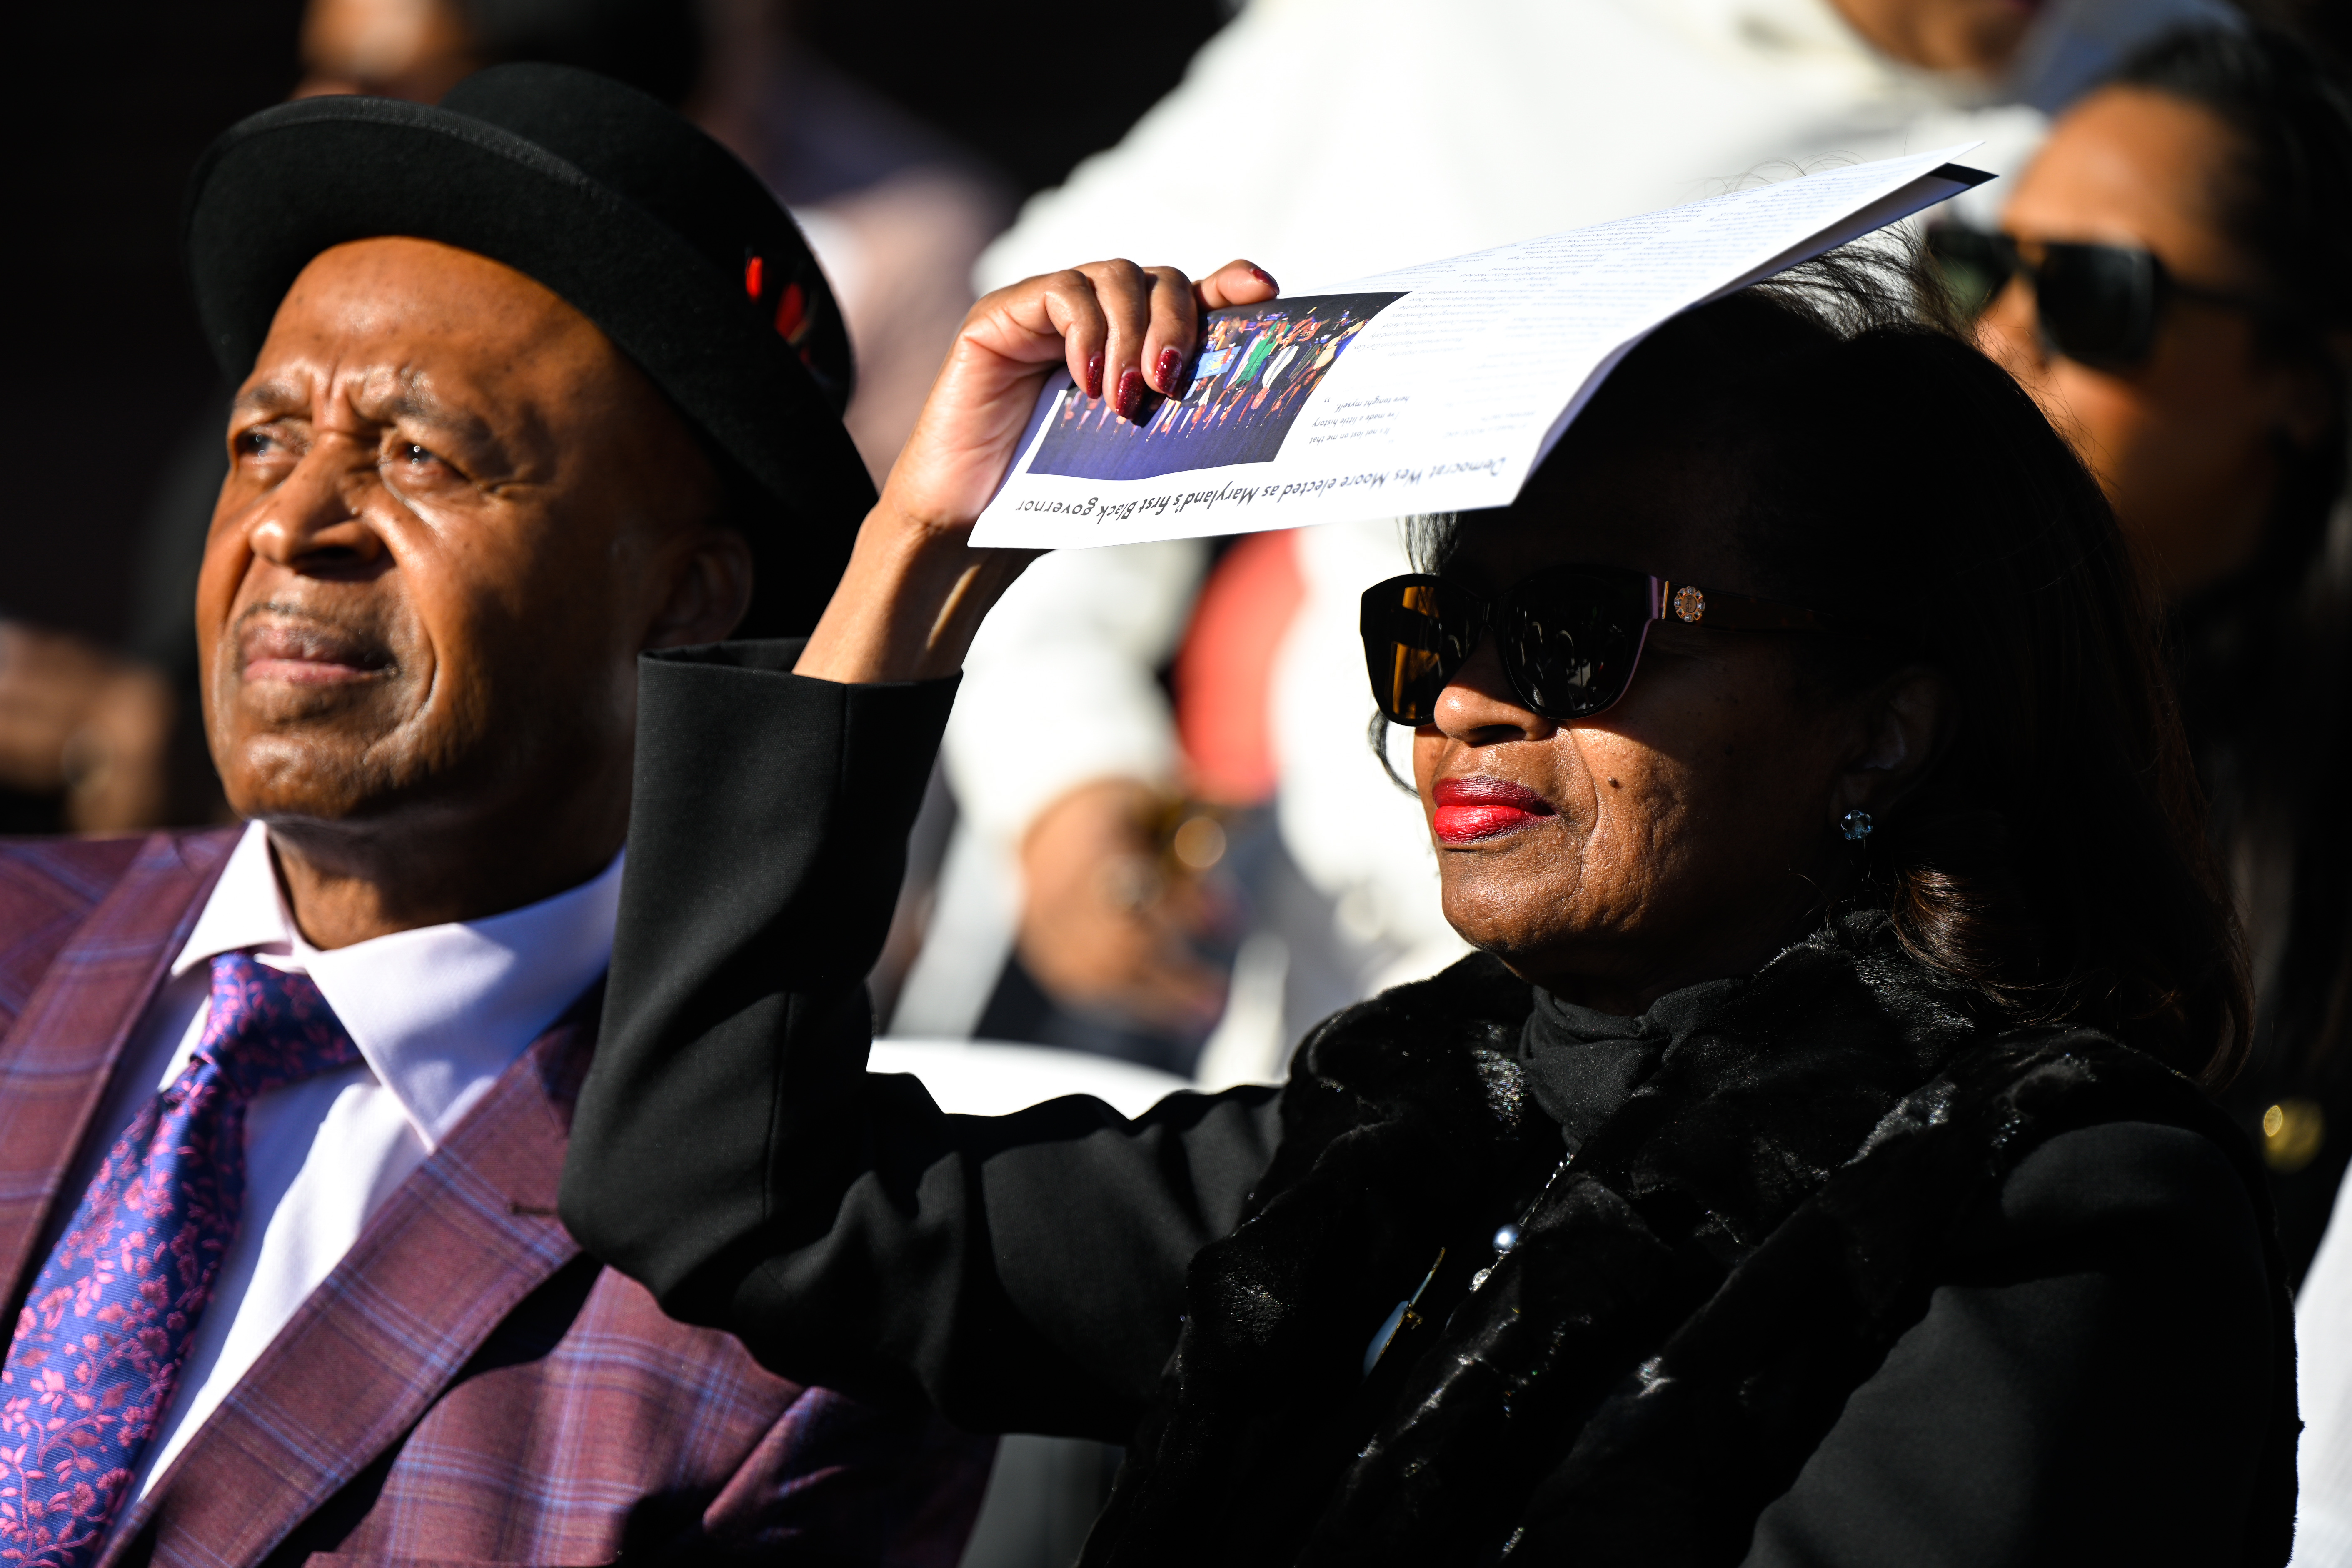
102,1337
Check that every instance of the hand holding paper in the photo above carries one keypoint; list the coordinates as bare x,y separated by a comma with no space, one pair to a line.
1115,327
913,595
1437,388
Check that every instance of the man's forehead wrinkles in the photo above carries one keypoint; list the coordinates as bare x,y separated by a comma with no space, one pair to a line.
407,393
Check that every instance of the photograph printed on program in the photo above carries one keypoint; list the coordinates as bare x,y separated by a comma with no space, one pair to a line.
1258,365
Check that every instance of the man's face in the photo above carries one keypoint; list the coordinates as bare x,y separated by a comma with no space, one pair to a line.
454,515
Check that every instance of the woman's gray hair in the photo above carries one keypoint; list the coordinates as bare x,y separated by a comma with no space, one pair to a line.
1431,539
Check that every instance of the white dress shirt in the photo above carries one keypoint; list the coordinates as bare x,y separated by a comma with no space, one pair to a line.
438,1014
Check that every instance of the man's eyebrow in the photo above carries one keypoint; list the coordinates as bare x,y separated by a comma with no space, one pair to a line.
267,398
416,402
438,415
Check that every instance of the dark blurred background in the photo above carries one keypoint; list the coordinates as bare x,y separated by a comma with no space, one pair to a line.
1031,85
111,107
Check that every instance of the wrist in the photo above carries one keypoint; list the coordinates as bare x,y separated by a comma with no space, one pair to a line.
908,605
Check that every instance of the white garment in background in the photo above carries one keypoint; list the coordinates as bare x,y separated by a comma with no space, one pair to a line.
1059,688
438,1014
2323,1380
997,1077
1358,839
1331,139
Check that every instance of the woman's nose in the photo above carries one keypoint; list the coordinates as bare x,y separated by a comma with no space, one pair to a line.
1479,706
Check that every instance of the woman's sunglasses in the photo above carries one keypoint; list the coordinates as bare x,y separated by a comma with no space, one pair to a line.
2098,304
1569,638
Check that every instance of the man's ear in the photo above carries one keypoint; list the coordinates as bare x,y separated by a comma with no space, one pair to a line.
710,590
1904,725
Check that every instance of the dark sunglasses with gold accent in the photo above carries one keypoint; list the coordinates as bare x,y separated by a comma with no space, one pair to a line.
1569,637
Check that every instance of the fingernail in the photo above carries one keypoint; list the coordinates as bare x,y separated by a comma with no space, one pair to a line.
1094,375
1172,365
1263,276
1130,395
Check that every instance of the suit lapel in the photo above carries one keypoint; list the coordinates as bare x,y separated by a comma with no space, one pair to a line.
57,1057
462,1242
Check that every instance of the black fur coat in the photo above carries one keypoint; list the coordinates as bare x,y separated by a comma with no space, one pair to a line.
1692,1299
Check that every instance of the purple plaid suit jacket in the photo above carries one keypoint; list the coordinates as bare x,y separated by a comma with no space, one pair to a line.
467,1387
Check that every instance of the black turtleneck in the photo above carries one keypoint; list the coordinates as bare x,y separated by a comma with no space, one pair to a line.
1583,1063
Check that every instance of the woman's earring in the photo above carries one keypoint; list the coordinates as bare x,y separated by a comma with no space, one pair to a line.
1857,825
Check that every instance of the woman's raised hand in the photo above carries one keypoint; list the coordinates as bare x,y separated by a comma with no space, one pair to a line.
1123,330
915,592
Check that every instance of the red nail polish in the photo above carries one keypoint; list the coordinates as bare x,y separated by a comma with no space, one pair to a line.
1130,395
1263,276
1094,375
1172,365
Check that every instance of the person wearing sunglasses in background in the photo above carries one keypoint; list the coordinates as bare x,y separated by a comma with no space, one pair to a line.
1810,1168
2175,277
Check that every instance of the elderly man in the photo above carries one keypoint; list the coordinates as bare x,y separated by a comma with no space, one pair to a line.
532,382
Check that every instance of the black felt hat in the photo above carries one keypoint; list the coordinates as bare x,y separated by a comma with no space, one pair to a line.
642,222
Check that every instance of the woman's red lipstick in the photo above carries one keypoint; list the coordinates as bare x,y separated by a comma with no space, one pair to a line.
1474,808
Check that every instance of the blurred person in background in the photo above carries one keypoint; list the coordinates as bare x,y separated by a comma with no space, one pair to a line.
896,213
87,725
2173,291
419,50
1401,132
2178,299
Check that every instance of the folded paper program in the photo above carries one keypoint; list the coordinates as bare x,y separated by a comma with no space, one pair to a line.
1437,388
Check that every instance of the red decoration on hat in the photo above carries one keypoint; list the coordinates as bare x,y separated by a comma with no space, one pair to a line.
791,313
751,270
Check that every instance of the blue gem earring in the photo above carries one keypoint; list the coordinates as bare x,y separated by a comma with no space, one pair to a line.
1857,827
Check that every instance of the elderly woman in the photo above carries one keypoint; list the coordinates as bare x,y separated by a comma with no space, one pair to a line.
1810,1169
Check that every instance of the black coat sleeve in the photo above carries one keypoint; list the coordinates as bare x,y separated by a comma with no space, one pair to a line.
2091,1384
730,1150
